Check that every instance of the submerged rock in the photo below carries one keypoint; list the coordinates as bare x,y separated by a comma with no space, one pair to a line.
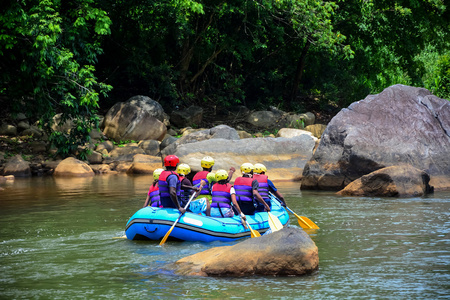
396,181
287,252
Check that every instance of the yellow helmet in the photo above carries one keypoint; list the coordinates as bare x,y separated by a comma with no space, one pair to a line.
211,177
156,173
246,168
221,175
183,169
259,168
207,162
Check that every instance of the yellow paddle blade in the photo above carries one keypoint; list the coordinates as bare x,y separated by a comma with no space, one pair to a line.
309,222
253,233
166,236
306,223
274,223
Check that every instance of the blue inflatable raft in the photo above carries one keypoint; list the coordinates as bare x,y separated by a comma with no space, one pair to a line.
151,223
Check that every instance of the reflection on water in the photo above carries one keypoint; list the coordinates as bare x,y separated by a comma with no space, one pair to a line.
57,242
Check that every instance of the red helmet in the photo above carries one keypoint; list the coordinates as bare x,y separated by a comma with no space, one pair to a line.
171,161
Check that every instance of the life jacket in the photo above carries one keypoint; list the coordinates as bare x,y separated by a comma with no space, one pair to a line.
198,178
243,187
153,193
263,188
164,190
221,196
184,194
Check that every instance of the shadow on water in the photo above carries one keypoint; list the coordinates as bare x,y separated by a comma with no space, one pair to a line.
57,242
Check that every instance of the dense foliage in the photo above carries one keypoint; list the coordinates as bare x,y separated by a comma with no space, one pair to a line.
49,49
216,54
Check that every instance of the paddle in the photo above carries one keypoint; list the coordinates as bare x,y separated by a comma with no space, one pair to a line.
253,233
187,205
274,223
304,222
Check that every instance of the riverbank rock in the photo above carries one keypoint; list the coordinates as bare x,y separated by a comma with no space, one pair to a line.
284,158
217,132
193,115
124,154
17,166
287,252
396,181
129,121
72,167
144,164
291,132
401,125
316,129
262,118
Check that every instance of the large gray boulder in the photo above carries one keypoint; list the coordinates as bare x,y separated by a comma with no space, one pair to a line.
401,125
128,121
284,158
149,105
287,252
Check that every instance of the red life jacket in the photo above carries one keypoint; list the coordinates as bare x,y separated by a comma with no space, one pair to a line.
263,188
221,196
243,187
198,178
164,191
153,192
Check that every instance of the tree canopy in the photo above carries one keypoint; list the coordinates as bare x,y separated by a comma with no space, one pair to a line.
78,56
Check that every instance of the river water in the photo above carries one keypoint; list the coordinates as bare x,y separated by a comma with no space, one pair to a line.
57,241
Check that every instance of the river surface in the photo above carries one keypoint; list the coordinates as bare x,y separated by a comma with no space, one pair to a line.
57,241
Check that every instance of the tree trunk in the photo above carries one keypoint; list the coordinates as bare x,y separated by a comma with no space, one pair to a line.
298,73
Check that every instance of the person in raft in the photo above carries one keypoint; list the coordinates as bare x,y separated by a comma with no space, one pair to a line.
207,164
198,205
265,186
153,198
223,197
247,190
170,184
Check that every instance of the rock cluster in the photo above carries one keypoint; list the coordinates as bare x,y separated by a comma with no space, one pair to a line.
142,121
400,126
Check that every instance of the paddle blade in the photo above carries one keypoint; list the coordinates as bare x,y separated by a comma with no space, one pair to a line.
309,222
254,233
274,223
306,223
166,236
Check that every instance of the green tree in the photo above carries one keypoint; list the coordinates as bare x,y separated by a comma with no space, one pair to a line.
387,37
49,49
228,52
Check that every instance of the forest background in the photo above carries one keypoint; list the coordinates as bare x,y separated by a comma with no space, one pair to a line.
80,57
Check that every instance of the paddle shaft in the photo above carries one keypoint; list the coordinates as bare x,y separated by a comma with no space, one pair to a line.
304,222
179,217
